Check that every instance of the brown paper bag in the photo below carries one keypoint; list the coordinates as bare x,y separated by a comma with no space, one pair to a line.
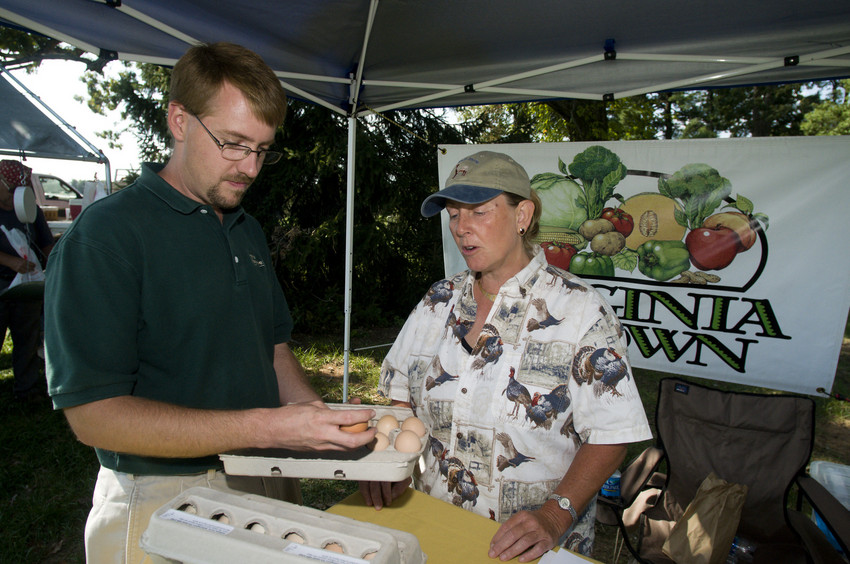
704,533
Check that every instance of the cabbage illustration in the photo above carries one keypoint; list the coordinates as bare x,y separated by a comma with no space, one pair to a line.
561,199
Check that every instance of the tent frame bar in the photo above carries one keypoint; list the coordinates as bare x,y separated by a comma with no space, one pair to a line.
100,157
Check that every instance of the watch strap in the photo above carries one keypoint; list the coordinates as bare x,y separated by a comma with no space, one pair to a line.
569,506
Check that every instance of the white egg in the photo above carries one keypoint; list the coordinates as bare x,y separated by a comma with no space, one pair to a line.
407,441
414,424
294,537
387,424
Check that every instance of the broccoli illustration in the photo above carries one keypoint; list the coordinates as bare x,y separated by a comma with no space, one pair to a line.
699,188
599,170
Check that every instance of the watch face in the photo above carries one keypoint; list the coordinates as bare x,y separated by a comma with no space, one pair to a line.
564,503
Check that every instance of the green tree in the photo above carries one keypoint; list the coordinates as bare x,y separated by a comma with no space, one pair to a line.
141,94
19,49
638,117
751,111
831,116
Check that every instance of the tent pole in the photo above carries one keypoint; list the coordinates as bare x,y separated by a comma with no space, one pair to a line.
349,246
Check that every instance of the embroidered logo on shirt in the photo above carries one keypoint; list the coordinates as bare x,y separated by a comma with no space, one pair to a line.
255,261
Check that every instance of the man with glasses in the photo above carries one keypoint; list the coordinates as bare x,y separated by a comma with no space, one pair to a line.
166,326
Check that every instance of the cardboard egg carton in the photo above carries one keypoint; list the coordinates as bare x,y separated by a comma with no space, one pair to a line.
387,465
207,526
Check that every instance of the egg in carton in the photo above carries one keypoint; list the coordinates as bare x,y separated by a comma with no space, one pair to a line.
208,526
364,463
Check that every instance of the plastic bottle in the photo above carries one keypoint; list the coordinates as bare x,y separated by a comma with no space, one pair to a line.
611,487
741,552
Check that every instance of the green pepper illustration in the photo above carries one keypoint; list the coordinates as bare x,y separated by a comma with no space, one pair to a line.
592,264
662,260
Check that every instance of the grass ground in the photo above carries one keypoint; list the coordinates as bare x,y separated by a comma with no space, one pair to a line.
47,477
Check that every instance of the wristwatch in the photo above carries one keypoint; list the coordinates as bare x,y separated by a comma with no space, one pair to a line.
565,504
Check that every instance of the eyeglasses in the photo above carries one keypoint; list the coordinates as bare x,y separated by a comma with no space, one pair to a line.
236,152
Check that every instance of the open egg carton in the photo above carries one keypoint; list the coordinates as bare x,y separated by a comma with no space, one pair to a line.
203,525
363,463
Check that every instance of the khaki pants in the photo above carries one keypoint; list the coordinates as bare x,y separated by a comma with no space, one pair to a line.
122,506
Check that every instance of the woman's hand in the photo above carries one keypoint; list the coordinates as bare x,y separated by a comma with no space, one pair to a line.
22,266
527,534
379,494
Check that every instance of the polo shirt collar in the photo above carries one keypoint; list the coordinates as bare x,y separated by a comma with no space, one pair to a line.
153,182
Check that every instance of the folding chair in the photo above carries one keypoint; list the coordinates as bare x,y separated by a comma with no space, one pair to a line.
763,441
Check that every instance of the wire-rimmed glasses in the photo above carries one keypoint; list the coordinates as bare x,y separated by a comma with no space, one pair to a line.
237,152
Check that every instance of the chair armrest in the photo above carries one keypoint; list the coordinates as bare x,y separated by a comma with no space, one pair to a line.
831,511
641,473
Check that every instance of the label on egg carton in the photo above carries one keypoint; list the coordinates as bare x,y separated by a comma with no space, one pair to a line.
359,464
209,526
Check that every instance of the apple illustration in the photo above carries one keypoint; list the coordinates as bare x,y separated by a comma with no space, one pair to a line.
712,248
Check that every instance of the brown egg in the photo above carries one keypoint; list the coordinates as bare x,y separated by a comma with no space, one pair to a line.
334,547
387,424
414,424
380,442
407,441
355,427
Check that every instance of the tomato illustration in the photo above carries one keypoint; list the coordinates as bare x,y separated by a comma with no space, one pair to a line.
558,254
623,222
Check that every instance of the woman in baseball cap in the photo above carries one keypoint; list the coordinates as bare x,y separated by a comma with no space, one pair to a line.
494,361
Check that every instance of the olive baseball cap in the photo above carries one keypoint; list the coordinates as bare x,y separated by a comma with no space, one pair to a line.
478,178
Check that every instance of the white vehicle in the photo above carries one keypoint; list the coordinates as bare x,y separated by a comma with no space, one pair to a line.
52,191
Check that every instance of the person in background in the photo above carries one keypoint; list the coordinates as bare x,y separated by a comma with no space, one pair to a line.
22,317
519,371
166,326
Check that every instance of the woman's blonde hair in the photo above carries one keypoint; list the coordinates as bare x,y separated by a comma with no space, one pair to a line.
203,69
534,226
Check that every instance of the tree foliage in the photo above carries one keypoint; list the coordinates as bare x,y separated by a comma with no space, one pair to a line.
20,49
140,92
751,111
832,115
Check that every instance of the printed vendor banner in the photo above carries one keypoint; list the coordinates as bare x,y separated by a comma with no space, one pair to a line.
725,259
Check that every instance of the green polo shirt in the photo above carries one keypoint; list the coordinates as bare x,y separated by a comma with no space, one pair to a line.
149,294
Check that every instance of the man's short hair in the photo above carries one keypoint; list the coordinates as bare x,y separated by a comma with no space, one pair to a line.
203,69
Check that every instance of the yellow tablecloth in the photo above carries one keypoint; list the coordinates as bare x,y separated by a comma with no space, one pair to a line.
446,533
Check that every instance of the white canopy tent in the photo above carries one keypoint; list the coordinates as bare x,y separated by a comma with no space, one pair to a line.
30,128
360,56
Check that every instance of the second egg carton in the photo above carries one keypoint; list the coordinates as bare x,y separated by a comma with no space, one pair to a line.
207,526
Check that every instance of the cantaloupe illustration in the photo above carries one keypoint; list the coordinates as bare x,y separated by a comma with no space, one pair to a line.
654,219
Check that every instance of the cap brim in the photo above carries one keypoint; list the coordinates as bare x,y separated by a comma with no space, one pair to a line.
463,193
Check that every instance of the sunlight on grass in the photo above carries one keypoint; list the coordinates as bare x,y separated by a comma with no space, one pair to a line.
324,365
6,359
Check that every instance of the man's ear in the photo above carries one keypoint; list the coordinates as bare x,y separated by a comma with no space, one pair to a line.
177,118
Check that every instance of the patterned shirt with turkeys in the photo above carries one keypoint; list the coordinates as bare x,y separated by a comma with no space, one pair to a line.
507,414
